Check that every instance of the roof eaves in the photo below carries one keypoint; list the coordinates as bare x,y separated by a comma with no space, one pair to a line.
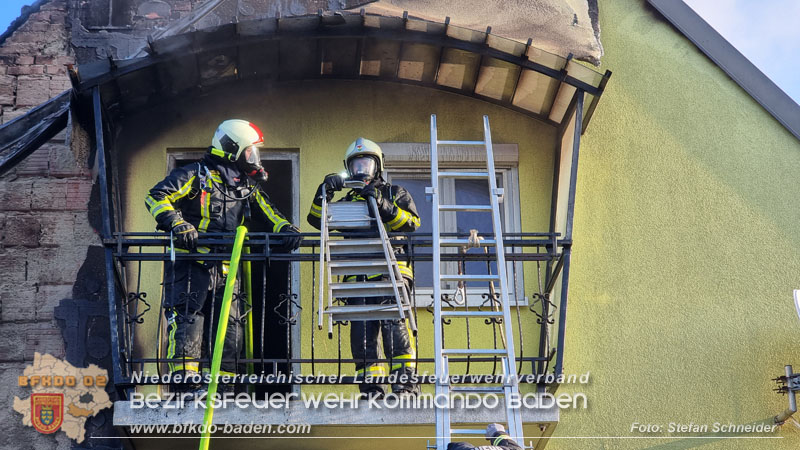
732,62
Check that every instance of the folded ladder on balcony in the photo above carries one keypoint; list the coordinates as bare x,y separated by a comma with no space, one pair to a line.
372,258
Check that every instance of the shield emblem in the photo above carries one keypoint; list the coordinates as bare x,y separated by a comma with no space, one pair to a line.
47,412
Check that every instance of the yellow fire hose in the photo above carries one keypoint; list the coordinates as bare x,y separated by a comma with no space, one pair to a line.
247,277
222,328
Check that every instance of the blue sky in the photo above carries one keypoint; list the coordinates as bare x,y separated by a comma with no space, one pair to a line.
9,10
767,32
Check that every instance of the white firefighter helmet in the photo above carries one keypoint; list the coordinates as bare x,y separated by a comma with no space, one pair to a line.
235,135
363,158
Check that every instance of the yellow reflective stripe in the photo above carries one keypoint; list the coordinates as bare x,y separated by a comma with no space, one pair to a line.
372,369
414,219
276,220
171,342
500,438
226,373
398,217
182,192
188,366
205,211
215,176
314,213
406,271
161,208
407,357
314,207
411,365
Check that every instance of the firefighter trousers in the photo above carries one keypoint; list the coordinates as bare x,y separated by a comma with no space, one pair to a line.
398,346
192,301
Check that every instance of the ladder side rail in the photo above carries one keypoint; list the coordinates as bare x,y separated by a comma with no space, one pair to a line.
388,254
442,425
328,263
514,427
323,244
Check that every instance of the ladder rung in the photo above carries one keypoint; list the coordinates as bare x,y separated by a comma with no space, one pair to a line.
465,207
479,390
462,313
364,312
362,289
461,142
358,267
359,247
474,351
464,174
467,277
467,431
355,242
462,242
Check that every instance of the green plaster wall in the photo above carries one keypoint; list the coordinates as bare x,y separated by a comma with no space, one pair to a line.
321,118
686,247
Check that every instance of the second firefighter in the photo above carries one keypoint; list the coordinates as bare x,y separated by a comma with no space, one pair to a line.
364,162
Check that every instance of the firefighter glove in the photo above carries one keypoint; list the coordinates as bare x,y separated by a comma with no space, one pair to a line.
290,242
385,207
184,234
334,182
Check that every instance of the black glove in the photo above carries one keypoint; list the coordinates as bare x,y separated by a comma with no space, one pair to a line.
291,242
385,207
333,183
184,234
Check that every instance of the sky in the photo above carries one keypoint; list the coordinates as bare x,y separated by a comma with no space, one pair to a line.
767,32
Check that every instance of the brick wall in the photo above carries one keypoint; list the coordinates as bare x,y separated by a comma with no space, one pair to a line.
44,226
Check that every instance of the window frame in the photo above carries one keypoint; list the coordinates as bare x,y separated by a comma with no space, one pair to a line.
412,160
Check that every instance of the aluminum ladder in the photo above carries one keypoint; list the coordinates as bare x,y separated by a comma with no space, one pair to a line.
358,256
510,387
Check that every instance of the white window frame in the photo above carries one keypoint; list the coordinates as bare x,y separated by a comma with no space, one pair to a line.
412,160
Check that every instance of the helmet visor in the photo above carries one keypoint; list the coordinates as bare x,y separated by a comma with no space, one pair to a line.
251,155
363,167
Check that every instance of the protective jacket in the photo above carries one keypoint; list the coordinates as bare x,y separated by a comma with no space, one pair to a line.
212,195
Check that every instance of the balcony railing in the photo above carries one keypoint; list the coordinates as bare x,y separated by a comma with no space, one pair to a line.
287,342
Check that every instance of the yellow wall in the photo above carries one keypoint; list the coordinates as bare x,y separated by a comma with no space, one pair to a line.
321,118
686,246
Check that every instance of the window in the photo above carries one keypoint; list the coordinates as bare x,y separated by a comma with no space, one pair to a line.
408,165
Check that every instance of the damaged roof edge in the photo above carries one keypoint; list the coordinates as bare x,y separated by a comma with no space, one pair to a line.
23,135
732,62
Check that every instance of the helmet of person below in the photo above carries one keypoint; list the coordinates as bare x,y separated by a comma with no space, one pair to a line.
235,135
363,159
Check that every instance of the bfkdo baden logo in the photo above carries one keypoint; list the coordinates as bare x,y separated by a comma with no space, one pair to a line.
62,396
47,412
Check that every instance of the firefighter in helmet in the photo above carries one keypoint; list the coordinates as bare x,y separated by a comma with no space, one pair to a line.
364,162
213,195
496,434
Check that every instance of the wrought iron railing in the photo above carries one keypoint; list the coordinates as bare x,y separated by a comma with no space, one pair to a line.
286,286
